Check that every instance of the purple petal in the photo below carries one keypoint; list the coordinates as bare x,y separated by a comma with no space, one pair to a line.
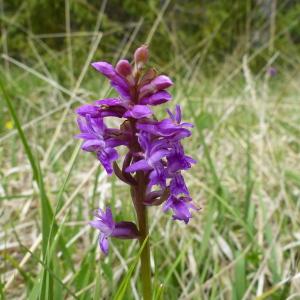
95,125
180,207
138,112
186,124
178,186
103,243
165,128
104,228
114,142
104,221
181,212
109,102
107,157
82,125
88,110
105,68
125,230
190,160
85,136
121,88
139,165
178,114
118,82
158,177
144,140
156,156
157,98
109,217
150,127
168,204
92,145
162,82
158,83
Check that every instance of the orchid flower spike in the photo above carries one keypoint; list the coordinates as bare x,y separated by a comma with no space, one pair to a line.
155,161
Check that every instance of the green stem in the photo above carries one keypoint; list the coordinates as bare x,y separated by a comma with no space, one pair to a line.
141,211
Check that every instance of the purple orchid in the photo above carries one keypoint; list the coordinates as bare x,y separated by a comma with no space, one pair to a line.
101,140
181,207
153,152
171,128
155,160
177,160
108,227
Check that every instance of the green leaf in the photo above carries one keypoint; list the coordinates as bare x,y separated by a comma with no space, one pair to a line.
239,285
97,291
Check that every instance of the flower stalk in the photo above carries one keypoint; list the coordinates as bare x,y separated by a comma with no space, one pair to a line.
143,226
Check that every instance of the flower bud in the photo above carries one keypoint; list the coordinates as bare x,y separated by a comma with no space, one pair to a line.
105,68
123,67
160,82
141,55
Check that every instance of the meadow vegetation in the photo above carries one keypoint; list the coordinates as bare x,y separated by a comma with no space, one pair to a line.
235,65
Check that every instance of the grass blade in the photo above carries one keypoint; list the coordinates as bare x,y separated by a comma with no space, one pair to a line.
125,282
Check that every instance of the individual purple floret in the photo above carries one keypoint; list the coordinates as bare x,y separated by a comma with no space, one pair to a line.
155,160
170,128
104,222
181,206
101,140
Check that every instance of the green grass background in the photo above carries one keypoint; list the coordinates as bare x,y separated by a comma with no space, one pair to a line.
244,243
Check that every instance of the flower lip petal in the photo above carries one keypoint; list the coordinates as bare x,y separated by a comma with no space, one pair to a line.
156,98
103,221
104,228
92,145
138,112
104,67
180,209
107,157
139,165
103,243
158,155
178,186
162,82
